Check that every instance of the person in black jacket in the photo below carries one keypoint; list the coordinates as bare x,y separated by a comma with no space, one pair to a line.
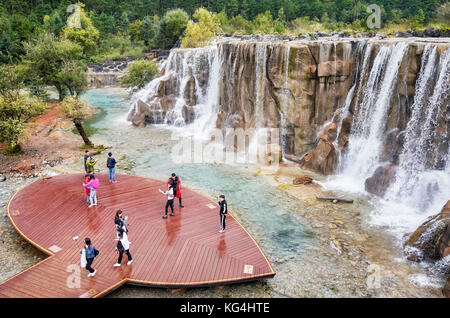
111,164
121,222
223,212
86,157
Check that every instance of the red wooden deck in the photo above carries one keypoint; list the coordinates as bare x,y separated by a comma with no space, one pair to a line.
185,250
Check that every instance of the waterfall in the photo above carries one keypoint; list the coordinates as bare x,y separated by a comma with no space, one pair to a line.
343,111
260,76
183,68
369,119
285,103
417,175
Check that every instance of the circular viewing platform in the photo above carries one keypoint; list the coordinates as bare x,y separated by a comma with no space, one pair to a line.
185,250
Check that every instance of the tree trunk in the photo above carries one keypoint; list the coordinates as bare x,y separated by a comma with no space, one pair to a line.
83,135
60,90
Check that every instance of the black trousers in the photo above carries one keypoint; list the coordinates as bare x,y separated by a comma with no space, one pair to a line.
222,221
88,265
121,254
169,203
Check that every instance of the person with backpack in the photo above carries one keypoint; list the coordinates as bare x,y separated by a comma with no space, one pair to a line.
169,203
91,253
175,180
223,212
123,245
111,164
121,222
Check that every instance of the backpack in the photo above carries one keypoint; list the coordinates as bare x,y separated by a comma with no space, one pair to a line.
96,252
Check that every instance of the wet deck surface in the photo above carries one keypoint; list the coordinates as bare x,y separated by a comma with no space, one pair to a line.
185,250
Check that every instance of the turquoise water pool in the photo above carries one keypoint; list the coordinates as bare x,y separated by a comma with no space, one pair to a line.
267,212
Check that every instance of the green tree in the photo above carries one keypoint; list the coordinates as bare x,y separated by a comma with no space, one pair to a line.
135,30
15,111
171,28
199,33
76,110
48,58
140,72
82,31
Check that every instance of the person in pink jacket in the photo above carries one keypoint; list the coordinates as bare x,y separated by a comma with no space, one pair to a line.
92,185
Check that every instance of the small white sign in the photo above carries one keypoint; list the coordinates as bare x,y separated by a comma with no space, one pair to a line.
54,248
248,269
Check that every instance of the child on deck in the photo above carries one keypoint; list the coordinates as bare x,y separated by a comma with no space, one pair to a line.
88,191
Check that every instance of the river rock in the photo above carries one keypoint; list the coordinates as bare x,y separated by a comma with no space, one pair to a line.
432,238
379,182
323,157
446,290
302,180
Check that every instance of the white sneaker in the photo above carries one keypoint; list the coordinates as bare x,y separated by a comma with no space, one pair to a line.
93,274
221,231
89,275
129,262
116,265
90,206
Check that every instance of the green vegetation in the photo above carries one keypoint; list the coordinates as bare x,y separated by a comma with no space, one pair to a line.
75,109
199,33
171,28
16,109
140,72
50,42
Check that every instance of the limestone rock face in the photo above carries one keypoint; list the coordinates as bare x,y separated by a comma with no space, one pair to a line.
298,86
323,157
432,241
432,238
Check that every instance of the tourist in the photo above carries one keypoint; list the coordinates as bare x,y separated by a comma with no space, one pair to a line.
121,222
86,156
223,212
169,194
91,253
111,164
123,245
87,190
90,165
177,187
92,185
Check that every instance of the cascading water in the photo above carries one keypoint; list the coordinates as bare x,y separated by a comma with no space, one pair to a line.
370,117
342,112
260,75
285,103
421,185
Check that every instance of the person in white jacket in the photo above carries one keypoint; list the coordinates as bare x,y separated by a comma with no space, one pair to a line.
170,196
123,245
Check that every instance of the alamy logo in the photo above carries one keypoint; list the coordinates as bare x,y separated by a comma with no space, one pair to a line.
373,280
74,20
74,279
374,20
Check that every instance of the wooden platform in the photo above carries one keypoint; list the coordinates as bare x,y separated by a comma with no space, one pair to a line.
185,250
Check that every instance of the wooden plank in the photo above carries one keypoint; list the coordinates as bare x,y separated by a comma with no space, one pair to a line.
184,250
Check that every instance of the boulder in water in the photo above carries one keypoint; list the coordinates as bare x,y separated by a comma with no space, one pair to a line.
432,239
302,180
379,182
323,157
446,290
